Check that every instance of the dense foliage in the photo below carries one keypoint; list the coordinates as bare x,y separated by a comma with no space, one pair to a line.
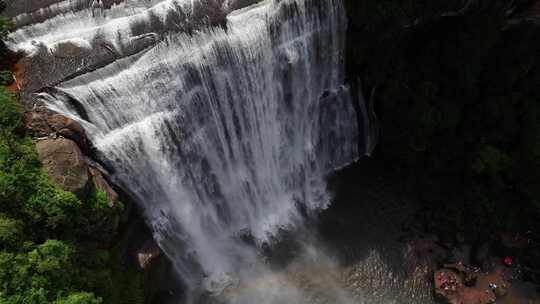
456,85
53,246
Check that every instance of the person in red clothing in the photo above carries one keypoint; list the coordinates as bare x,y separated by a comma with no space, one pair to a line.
508,261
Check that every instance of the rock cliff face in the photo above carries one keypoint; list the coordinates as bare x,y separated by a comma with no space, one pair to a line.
66,155
64,150
42,122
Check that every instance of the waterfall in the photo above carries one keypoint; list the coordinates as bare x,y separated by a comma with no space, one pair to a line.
219,130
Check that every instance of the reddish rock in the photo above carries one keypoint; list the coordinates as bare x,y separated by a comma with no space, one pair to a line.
64,162
62,153
44,123
36,123
18,70
449,286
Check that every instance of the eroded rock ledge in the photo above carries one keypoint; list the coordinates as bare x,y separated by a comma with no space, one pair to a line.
62,148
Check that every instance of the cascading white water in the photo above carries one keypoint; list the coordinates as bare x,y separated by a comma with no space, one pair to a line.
218,133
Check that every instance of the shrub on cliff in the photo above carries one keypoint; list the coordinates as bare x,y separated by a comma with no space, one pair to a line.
10,117
79,298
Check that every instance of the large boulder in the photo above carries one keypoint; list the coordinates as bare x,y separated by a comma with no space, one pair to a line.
61,149
46,123
64,161
67,166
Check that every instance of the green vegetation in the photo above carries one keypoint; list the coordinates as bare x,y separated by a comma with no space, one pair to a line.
457,91
54,248
50,241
